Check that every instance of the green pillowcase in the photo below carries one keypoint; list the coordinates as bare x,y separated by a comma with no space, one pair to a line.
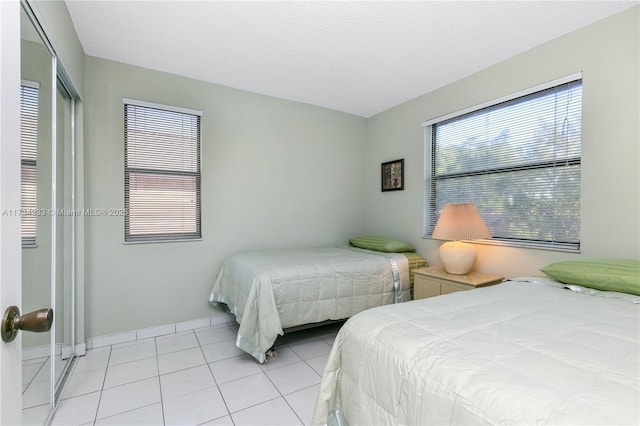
602,274
385,244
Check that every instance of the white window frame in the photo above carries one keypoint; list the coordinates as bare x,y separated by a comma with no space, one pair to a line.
167,236
430,210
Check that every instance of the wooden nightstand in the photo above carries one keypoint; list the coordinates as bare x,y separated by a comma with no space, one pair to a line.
434,281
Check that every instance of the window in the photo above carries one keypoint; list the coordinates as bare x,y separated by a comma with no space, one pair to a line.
28,160
162,172
518,159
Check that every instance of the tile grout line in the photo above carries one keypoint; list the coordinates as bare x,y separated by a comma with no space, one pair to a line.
155,345
104,379
224,401
34,376
125,384
280,392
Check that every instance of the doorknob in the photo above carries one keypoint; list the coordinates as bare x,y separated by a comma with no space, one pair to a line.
37,321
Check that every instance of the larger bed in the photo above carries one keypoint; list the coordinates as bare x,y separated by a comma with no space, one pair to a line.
528,351
270,291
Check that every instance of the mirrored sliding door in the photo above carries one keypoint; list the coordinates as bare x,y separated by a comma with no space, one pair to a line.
48,219
36,142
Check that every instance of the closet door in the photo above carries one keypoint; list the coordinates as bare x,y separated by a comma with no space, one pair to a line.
48,220
37,139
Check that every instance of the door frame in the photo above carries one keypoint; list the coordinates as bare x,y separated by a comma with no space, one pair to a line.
10,240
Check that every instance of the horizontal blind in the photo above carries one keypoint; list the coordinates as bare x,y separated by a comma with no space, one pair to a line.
519,161
162,174
28,157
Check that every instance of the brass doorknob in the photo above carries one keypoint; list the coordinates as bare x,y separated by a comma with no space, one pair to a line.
37,321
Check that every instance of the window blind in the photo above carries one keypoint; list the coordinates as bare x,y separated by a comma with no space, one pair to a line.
519,161
162,174
28,162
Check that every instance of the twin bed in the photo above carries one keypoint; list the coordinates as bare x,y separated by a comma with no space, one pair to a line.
272,291
528,351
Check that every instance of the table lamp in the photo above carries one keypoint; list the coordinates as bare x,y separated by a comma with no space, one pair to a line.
459,221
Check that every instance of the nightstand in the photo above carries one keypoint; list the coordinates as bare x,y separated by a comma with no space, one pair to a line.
434,281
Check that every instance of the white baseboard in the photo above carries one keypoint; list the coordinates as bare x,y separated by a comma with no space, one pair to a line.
81,349
160,330
44,351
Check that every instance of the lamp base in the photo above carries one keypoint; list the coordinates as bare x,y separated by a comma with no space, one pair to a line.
457,257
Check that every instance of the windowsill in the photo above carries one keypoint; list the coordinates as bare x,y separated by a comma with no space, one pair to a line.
513,244
126,243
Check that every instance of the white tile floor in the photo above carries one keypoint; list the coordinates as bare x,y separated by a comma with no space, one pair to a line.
197,377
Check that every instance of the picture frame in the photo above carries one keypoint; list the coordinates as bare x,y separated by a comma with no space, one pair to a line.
392,175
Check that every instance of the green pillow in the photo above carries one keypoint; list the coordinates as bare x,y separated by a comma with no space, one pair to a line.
385,244
602,274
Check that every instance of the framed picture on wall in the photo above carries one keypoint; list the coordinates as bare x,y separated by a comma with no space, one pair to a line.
393,175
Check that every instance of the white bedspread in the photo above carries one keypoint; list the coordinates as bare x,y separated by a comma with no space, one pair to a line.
519,353
271,290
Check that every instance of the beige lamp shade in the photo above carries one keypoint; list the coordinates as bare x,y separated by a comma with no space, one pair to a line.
460,221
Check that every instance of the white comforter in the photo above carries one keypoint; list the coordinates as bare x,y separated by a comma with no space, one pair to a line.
525,353
271,290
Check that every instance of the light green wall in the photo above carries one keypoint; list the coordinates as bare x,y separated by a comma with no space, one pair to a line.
275,174
57,24
608,54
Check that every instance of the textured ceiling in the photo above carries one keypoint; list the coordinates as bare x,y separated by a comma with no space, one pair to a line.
354,56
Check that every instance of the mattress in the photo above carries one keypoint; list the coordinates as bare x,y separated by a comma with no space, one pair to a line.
269,291
527,351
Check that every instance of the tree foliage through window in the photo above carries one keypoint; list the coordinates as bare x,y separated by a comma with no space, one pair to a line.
519,161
